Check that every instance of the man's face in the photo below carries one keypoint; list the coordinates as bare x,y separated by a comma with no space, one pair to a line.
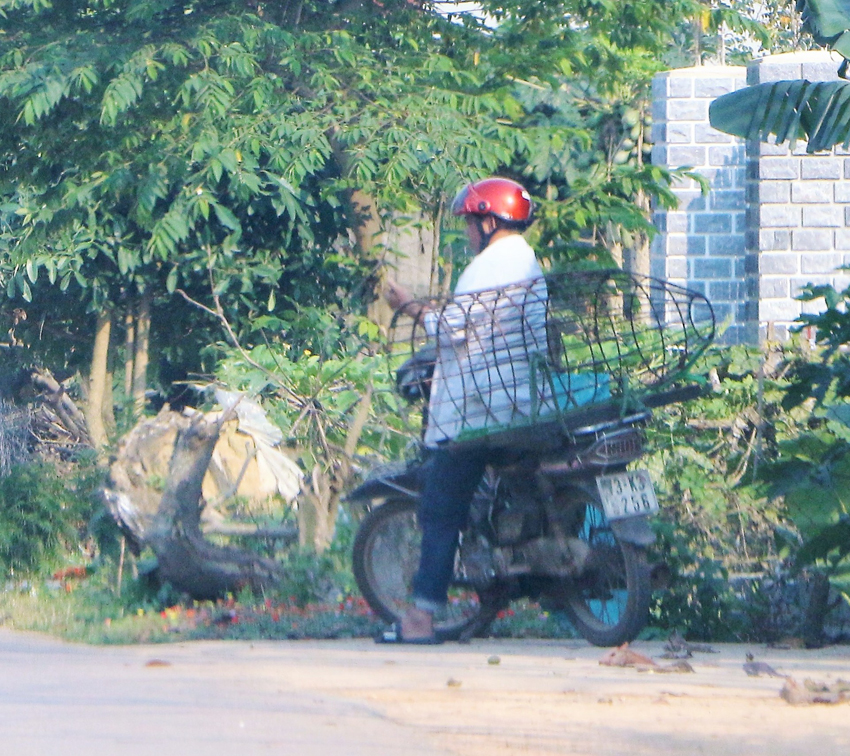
473,231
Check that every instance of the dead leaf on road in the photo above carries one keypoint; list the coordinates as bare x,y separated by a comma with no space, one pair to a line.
813,692
757,669
158,663
680,666
681,649
623,656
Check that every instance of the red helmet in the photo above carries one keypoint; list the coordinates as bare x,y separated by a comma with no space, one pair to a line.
499,197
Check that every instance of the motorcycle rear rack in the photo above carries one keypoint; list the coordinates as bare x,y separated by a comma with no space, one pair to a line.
611,449
534,364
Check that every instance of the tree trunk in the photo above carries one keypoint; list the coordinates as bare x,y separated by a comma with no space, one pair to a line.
816,610
129,350
367,234
638,256
319,504
97,380
140,353
434,285
698,30
185,560
108,406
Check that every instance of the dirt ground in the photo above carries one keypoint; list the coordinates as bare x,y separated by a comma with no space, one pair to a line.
489,698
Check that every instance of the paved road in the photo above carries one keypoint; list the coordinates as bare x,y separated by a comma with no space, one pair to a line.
206,699
353,697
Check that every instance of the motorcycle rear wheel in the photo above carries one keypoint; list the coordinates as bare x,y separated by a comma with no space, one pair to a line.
608,604
385,559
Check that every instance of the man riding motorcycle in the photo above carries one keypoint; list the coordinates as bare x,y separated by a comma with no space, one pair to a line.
477,380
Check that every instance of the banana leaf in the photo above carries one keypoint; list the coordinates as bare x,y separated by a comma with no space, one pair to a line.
787,111
828,22
832,539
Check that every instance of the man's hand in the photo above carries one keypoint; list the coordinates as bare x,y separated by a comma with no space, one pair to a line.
399,298
396,295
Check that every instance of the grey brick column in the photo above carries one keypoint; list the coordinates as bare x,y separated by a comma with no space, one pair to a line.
702,244
798,224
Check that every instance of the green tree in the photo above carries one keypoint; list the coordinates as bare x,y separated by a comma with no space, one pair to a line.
151,147
228,149
788,111
811,471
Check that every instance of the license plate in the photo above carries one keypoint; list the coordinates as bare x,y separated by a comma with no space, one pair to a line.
627,494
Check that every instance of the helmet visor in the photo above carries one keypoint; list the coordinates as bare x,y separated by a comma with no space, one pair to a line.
470,202
459,204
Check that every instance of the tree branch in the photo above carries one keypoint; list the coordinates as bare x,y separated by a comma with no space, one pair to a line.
218,314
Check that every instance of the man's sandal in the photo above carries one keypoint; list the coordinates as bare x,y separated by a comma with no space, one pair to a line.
393,635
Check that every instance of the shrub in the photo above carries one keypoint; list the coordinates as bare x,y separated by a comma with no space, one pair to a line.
43,514
716,525
14,432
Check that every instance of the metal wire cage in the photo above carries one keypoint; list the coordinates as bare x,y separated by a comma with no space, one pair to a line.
543,355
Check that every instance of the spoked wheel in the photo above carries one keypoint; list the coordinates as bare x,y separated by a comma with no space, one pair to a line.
385,559
608,604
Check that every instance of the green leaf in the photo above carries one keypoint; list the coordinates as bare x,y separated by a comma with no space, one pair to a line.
123,260
121,93
226,217
216,168
825,19
835,537
228,159
787,110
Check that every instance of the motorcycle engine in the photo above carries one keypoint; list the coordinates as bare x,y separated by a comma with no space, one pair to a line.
509,535
517,516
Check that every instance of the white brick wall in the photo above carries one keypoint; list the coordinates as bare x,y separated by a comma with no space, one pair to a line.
815,214
702,243
774,220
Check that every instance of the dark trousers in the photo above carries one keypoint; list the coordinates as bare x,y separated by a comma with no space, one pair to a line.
451,477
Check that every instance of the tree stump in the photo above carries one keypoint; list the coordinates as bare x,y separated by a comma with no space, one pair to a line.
172,521
185,560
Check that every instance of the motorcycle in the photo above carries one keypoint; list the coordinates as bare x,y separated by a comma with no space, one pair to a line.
561,515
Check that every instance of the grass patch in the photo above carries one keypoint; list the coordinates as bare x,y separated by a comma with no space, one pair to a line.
86,610
92,613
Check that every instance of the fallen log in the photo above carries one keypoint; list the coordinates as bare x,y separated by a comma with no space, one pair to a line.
54,396
185,559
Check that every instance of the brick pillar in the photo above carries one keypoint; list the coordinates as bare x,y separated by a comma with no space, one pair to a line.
701,245
799,218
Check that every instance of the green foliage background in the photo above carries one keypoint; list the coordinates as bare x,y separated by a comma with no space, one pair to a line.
219,151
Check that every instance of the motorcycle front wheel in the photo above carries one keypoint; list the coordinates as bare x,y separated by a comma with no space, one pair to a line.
385,559
608,604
